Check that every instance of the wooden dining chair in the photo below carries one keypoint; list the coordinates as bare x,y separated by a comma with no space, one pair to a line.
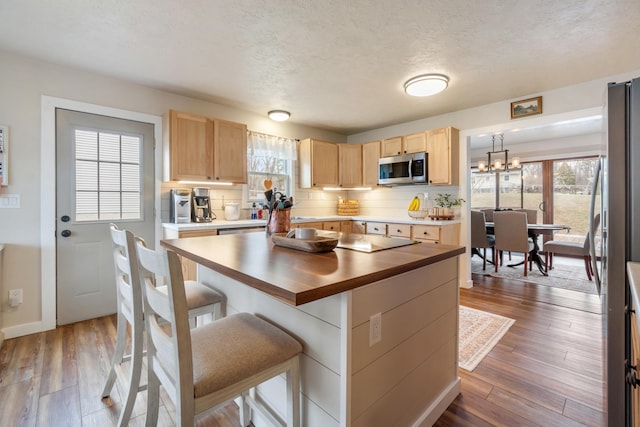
201,300
479,237
581,249
511,233
216,362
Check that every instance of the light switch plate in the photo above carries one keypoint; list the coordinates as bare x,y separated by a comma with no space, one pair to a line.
10,201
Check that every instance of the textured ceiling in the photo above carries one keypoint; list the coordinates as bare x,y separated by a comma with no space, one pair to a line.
334,64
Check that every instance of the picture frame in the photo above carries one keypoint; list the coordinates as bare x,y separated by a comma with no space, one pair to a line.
526,107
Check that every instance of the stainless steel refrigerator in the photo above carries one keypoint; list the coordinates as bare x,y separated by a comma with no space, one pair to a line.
621,185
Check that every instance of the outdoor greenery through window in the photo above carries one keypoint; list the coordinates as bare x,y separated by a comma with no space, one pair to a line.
567,192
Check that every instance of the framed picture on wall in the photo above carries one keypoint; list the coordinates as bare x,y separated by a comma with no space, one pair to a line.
526,107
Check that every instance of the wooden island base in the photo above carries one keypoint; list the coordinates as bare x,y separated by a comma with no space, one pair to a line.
407,378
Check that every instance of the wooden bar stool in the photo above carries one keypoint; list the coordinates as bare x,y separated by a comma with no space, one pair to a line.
214,363
201,300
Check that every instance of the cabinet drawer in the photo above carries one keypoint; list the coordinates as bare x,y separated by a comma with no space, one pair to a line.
377,228
198,233
316,225
331,226
399,230
426,232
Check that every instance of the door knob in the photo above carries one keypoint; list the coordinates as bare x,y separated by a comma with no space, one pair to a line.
65,218
65,233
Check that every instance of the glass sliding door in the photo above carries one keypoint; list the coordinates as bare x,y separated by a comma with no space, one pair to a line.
572,181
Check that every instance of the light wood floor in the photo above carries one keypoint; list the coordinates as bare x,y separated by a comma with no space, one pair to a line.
547,370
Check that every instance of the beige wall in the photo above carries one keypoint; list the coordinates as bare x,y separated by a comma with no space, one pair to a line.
23,81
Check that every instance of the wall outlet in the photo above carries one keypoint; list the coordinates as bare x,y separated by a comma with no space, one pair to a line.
15,297
375,329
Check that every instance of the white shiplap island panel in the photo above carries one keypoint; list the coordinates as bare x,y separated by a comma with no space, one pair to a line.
408,378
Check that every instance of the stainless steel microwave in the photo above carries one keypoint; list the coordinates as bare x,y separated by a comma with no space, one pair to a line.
404,169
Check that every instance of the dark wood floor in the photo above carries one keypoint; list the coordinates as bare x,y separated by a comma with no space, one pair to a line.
547,370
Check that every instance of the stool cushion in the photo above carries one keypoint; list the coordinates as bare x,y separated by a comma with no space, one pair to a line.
198,295
568,248
236,347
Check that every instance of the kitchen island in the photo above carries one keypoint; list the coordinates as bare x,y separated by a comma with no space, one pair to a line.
379,329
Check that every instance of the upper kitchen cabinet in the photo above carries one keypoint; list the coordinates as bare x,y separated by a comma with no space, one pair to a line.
370,157
350,165
190,147
204,149
443,148
230,152
413,143
318,161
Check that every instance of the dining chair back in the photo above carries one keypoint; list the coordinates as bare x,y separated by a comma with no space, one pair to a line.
479,237
204,368
532,215
488,214
581,249
510,228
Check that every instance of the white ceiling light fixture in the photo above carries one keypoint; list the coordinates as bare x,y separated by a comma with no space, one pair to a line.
279,115
426,85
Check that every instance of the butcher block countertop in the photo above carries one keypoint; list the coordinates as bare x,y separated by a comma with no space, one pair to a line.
298,277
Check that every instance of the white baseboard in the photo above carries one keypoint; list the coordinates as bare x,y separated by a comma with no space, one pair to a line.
25,329
467,284
439,406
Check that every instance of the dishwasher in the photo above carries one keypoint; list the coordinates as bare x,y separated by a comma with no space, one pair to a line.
239,230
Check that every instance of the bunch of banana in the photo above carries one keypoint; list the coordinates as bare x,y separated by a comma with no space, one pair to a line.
415,204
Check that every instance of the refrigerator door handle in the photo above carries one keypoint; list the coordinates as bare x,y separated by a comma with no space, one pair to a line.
592,231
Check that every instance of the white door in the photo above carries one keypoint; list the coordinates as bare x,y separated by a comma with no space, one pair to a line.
105,174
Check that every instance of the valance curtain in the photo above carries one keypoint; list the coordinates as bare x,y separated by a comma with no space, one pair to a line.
262,145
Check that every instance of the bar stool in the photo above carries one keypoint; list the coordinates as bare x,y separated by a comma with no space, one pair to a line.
200,300
214,363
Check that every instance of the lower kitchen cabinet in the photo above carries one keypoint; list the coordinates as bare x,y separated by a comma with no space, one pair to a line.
446,234
189,268
358,227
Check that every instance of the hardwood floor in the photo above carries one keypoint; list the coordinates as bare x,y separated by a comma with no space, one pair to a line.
547,370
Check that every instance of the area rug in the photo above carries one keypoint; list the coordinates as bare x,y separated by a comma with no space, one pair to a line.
479,333
564,276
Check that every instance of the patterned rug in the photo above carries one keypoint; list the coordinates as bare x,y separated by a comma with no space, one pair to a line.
571,276
479,333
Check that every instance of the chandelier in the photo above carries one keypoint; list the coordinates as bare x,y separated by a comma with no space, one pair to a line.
497,164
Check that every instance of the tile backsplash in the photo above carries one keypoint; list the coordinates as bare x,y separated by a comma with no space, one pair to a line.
386,202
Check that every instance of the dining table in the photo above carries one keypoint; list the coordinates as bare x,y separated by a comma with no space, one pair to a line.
535,230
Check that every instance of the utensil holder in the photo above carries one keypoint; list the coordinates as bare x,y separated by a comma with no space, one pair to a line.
279,221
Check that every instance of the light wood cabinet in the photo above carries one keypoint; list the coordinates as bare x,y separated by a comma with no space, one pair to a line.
445,234
391,147
443,148
318,162
413,143
350,161
358,227
189,268
332,226
399,230
204,149
190,147
376,228
370,157
316,225
230,152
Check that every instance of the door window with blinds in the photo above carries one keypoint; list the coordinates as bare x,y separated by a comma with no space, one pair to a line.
108,175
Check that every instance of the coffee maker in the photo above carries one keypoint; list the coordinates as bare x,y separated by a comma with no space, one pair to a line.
201,210
180,209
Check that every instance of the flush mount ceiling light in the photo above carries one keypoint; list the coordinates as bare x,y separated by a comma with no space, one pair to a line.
426,85
279,115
